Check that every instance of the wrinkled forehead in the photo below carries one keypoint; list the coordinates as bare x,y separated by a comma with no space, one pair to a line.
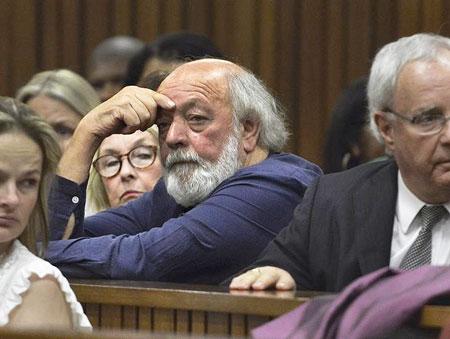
211,85
210,74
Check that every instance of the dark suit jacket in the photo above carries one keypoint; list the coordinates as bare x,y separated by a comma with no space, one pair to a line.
341,230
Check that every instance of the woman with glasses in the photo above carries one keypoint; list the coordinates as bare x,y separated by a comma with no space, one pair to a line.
125,167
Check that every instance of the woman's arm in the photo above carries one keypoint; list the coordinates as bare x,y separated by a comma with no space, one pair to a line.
43,306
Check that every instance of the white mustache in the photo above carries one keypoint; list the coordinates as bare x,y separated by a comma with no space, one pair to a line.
180,155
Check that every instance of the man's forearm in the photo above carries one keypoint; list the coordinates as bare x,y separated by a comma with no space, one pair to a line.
77,158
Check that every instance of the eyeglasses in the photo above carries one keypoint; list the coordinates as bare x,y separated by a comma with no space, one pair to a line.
140,157
426,123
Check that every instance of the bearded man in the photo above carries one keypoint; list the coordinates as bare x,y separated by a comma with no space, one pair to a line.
226,192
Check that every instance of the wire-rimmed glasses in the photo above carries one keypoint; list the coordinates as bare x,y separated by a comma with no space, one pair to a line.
425,123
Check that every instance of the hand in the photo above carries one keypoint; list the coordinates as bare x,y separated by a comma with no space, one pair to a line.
130,109
262,278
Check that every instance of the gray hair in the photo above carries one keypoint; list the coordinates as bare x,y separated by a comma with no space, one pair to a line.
250,99
389,62
117,48
62,85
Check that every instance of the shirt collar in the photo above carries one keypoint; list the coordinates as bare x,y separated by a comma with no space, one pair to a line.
408,205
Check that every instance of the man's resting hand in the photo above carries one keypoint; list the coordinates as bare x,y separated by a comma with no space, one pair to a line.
262,278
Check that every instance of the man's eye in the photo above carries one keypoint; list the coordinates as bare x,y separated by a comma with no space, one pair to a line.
162,126
197,118
425,119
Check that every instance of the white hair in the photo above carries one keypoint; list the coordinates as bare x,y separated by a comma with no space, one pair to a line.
388,64
191,183
251,100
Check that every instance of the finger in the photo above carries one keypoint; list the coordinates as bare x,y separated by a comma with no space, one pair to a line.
127,119
244,281
286,282
145,117
149,98
267,279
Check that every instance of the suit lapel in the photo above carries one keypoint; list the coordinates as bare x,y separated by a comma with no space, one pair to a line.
374,207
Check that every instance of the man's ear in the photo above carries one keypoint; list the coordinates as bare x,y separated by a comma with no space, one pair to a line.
385,128
250,130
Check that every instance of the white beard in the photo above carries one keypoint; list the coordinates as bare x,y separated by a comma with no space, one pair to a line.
192,182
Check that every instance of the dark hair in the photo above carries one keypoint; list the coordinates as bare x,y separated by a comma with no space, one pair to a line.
181,46
348,119
153,80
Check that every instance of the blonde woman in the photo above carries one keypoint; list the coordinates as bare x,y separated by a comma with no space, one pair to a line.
62,98
124,168
33,293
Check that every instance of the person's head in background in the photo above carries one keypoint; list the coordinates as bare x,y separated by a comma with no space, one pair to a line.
61,97
29,157
126,166
107,66
169,51
349,139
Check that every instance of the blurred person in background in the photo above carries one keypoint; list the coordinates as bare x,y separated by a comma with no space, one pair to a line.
169,51
349,139
61,97
107,66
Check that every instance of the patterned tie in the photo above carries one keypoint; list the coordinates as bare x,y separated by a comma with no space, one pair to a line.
419,253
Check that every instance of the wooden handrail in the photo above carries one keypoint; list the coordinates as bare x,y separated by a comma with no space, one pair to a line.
187,297
213,300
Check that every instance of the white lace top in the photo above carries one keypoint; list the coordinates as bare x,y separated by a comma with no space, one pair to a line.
15,271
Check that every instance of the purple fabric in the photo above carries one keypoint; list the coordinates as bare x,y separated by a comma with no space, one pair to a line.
371,306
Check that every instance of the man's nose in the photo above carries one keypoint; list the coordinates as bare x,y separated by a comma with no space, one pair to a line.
445,132
177,134
9,195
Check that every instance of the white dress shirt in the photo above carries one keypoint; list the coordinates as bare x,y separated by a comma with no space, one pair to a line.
407,227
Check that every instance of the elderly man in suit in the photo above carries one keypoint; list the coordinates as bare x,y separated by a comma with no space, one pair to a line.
389,213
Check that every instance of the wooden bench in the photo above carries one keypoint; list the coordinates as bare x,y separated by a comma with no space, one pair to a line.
198,310
180,308
9,333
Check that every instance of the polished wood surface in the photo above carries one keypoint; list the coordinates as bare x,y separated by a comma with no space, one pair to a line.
434,316
183,296
307,51
198,309
180,308
8,333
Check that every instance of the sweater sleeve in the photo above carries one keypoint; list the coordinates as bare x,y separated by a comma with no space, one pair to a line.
206,244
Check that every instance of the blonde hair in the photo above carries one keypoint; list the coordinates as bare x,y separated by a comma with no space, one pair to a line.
96,192
62,85
17,117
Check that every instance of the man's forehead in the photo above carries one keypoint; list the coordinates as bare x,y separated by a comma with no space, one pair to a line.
211,85
205,70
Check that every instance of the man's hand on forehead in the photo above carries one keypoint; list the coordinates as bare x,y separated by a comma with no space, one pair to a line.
131,109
